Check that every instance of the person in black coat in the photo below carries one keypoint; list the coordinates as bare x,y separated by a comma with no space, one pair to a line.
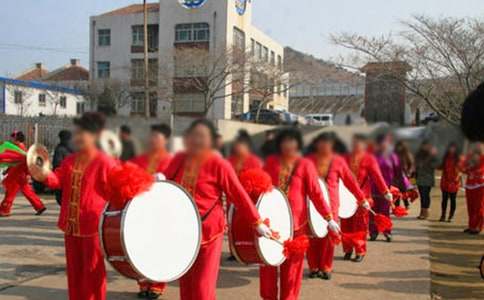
62,150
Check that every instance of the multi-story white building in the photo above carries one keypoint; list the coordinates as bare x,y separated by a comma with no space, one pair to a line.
176,27
33,98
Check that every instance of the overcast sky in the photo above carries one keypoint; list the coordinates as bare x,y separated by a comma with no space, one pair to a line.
53,31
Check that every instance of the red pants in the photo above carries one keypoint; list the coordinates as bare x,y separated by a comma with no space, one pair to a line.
11,191
86,273
357,223
475,208
200,283
158,287
290,277
320,254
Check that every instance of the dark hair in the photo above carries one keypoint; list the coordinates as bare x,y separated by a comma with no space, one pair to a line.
162,128
473,115
208,124
422,154
65,135
328,136
125,129
381,138
243,137
93,122
18,136
405,155
289,134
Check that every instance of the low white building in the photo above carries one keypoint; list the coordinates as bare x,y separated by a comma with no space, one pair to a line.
212,26
33,98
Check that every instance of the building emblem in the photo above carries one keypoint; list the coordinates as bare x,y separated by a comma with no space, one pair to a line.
241,6
192,3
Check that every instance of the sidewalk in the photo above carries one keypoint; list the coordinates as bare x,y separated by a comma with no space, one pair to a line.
32,266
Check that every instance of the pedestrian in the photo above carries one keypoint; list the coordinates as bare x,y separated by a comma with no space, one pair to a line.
450,181
426,162
61,151
474,168
269,146
128,148
18,179
408,167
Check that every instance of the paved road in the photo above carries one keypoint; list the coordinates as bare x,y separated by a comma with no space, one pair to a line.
32,266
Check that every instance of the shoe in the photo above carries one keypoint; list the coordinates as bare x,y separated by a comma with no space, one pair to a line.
231,258
474,232
442,219
325,275
389,238
314,274
358,258
449,220
153,295
40,211
143,294
467,230
347,256
373,237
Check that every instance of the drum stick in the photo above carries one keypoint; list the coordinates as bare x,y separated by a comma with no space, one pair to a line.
277,241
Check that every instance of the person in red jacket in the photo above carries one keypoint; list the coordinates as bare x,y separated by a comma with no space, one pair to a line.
450,181
298,179
332,168
366,170
242,158
206,176
474,168
18,179
154,161
82,177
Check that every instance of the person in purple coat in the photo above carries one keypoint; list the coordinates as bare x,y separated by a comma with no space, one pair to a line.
393,173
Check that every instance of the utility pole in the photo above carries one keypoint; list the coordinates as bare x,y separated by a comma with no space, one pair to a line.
146,60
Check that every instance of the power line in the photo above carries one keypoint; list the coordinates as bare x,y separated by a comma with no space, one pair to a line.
4,46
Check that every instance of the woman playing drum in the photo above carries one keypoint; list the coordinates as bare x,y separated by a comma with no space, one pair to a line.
332,168
206,176
298,179
241,157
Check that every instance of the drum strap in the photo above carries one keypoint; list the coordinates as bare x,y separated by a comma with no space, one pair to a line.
288,182
205,216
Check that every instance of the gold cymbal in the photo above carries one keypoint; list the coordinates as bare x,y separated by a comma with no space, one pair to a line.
38,157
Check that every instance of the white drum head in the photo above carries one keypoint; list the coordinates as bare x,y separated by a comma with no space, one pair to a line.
318,225
162,232
347,202
275,207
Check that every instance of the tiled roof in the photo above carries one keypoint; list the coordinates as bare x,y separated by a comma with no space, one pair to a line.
133,9
68,73
33,74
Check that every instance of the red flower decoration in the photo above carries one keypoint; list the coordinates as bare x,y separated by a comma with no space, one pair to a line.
395,193
125,182
400,212
383,223
297,247
256,182
334,237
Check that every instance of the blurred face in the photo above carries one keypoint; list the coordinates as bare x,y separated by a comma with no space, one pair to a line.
124,136
452,149
289,147
157,141
385,145
198,140
359,145
324,147
84,140
241,149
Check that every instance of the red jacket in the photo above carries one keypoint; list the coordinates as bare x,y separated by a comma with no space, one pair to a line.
367,171
83,183
241,165
211,179
338,169
153,163
18,174
450,181
475,173
303,184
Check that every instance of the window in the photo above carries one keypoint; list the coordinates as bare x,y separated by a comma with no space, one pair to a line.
103,69
42,100
104,37
279,62
138,69
17,97
252,46
258,50
265,54
195,32
138,103
63,101
239,39
137,36
80,108
273,58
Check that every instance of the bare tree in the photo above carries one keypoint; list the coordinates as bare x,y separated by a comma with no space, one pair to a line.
109,96
446,57
21,98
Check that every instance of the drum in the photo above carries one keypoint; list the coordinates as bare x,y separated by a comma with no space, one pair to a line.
347,202
247,247
156,237
317,224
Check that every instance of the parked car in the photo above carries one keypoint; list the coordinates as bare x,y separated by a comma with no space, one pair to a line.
266,116
430,117
320,119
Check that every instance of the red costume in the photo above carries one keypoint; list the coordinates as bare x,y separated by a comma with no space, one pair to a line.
298,181
475,193
450,181
366,170
82,178
206,178
321,251
153,163
18,180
